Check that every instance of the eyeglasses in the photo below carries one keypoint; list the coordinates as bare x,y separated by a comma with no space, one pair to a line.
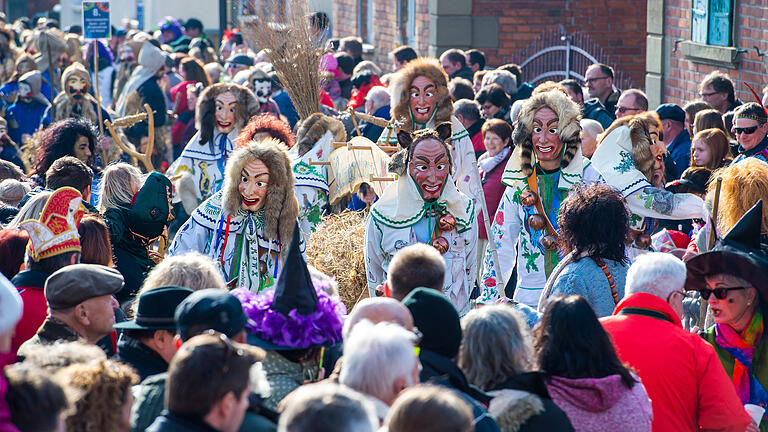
591,80
622,110
720,293
747,130
230,349
707,94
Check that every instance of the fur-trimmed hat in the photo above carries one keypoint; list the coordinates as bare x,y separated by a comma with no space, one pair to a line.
314,127
408,140
64,103
280,205
400,90
569,129
75,69
205,111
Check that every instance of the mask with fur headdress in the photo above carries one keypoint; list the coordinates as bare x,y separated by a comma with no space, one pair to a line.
642,153
205,111
569,130
280,206
314,127
75,82
400,89
408,140
259,83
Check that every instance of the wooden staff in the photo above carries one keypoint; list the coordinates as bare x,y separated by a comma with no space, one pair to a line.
146,157
711,244
98,96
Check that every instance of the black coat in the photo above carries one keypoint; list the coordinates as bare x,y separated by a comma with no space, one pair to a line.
130,253
552,418
169,422
440,370
144,359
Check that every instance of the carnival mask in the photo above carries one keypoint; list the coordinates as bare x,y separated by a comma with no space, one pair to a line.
429,168
82,148
254,179
25,92
126,54
546,138
225,112
658,148
423,98
77,87
263,90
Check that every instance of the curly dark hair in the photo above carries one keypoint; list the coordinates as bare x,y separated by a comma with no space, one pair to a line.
268,123
59,140
570,342
594,220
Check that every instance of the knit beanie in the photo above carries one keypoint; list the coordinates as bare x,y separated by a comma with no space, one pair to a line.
436,319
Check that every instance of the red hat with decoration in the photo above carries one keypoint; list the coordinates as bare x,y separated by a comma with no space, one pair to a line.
56,230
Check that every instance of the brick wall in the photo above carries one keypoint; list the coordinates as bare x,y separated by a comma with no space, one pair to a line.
618,26
683,76
385,35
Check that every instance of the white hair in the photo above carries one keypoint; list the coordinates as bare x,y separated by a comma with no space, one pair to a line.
377,355
592,127
327,406
505,79
379,95
656,273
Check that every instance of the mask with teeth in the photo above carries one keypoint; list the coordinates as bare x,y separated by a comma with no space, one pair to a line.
263,90
546,139
423,99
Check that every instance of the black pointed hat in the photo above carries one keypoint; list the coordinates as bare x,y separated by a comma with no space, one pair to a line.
740,253
297,315
294,288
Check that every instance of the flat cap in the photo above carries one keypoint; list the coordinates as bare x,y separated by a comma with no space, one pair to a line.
671,111
74,284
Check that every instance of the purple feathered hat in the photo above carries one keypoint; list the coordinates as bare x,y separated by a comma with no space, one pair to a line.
298,314
168,23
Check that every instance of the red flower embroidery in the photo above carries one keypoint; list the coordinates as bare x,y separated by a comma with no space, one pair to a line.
490,282
499,218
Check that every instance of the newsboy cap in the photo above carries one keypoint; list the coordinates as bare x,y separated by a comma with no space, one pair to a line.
670,111
74,284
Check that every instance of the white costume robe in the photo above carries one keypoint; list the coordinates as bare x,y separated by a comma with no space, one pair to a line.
401,218
311,187
237,244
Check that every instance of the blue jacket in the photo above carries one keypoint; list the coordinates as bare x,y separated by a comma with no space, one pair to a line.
372,131
26,118
595,110
286,107
680,149
7,152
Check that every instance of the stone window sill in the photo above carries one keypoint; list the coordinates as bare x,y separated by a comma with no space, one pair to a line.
710,54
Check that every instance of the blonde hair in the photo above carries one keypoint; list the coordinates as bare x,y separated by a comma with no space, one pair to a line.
743,185
97,392
119,183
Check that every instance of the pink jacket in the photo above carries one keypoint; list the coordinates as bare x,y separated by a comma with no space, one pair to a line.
602,404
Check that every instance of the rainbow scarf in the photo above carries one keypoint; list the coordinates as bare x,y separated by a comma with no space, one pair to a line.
742,348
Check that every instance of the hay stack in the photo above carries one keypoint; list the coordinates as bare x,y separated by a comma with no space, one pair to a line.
336,249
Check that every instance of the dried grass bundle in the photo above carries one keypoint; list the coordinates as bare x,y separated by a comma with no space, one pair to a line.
336,249
292,48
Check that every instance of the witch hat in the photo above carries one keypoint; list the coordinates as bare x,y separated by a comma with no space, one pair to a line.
295,290
739,253
297,314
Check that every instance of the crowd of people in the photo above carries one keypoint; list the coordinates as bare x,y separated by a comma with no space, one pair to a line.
550,256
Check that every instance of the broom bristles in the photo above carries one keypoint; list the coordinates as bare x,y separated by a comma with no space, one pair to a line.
294,51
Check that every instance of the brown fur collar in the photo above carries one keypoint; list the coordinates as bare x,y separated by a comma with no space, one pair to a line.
280,205
314,127
205,111
568,114
400,90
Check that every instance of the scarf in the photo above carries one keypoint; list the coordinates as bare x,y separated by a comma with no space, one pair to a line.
486,163
402,205
742,348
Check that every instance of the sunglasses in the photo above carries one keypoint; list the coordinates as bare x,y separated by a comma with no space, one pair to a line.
230,349
747,130
720,293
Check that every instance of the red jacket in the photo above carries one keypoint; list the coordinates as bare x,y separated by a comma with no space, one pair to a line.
30,284
688,386
493,190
